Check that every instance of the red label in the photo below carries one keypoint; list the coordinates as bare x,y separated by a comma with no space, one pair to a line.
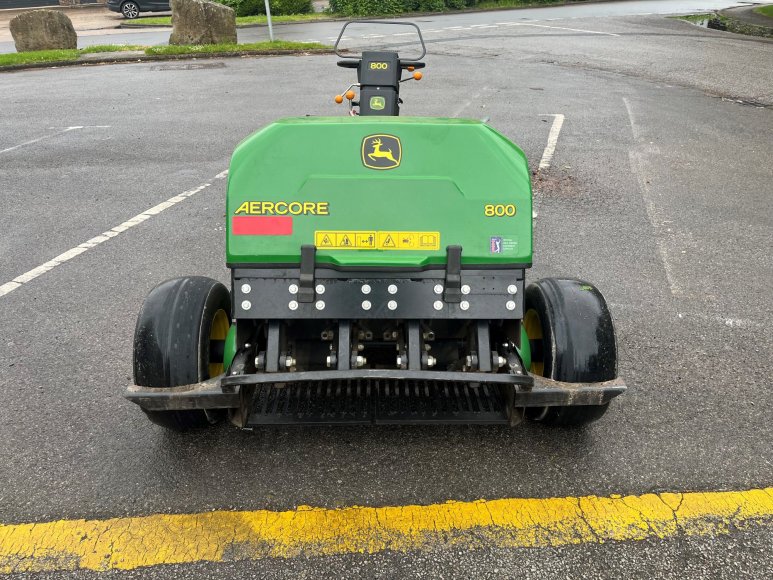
249,225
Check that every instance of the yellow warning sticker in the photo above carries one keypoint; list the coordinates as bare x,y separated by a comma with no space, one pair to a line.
364,240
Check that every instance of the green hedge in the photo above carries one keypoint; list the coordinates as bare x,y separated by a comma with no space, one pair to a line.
278,7
364,7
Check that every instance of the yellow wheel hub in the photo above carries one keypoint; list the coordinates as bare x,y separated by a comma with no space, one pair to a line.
219,331
533,327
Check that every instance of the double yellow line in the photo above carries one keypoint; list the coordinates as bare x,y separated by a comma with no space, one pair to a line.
128,543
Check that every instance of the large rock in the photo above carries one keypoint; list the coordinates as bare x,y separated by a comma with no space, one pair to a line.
43,30
201,22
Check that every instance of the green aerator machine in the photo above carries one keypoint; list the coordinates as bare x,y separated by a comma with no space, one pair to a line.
378,269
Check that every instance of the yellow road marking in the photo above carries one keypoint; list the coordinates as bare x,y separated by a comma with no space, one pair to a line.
128,543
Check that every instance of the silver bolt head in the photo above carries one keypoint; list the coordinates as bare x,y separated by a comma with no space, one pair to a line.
431,361
464,305
361,360
465,288
437,305
438,288
246,305
366,288
320,289
289,362
399,360
392,288
329,361
510,305
366,304
320,305
512,289
293,305
293,288
246,288
392,305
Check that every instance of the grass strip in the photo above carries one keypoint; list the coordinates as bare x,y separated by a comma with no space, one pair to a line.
240,20
42,56
277,45
765,10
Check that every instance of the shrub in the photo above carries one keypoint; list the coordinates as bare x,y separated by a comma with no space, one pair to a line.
278,7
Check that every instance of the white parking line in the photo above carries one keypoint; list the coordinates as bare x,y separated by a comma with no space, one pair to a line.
44,137
17,282
550,148
557,27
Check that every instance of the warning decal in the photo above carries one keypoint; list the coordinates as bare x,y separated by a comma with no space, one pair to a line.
360,240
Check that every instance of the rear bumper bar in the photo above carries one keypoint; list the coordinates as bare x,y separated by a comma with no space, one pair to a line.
226,392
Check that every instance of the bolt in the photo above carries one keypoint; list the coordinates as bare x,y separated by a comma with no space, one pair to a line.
289,362
293,288
399,360
293,305
246,288
392,305
330,360
320,305
394,334
431,361
438,288
465,289
429,335
360,361
366,305
510,305
464,305
392,288
437,305
320,289
468,360
365,288
246,305
500,361
360,347
512,289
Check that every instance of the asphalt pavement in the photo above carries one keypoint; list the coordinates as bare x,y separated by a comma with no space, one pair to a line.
659,192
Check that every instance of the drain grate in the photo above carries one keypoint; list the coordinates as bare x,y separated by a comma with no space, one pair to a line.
381,401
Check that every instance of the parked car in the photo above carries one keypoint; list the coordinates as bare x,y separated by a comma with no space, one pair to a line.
132,8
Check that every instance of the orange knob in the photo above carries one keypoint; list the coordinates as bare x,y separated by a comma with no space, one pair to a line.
411,68
339,99
417,76
350,95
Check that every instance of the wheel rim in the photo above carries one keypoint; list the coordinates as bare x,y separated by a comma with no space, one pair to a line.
533,327
219,332
130,10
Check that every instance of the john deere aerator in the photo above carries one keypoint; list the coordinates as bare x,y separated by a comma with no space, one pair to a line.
377,275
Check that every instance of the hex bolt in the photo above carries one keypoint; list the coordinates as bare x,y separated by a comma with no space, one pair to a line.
246,288
246,305
366,304
293,305
464,305
320,289
510,305
289,362
399,360
365,288
360,347
320,305
468,360
431,361
438,289
392,288
465,288
512,289
360,361
392,305
293,288
429,335
499,361
438,305
329,360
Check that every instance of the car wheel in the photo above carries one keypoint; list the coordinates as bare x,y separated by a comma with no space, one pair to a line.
130,10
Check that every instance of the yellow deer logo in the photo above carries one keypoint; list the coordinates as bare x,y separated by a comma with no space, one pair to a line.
377,152
381,151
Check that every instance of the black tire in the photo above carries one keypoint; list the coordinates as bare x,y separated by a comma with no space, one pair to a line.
573,340
177,342
130,10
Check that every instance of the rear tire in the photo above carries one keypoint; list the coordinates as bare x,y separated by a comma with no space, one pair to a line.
572,339
177,342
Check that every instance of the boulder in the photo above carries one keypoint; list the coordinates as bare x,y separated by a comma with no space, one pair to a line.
43,30
202,22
